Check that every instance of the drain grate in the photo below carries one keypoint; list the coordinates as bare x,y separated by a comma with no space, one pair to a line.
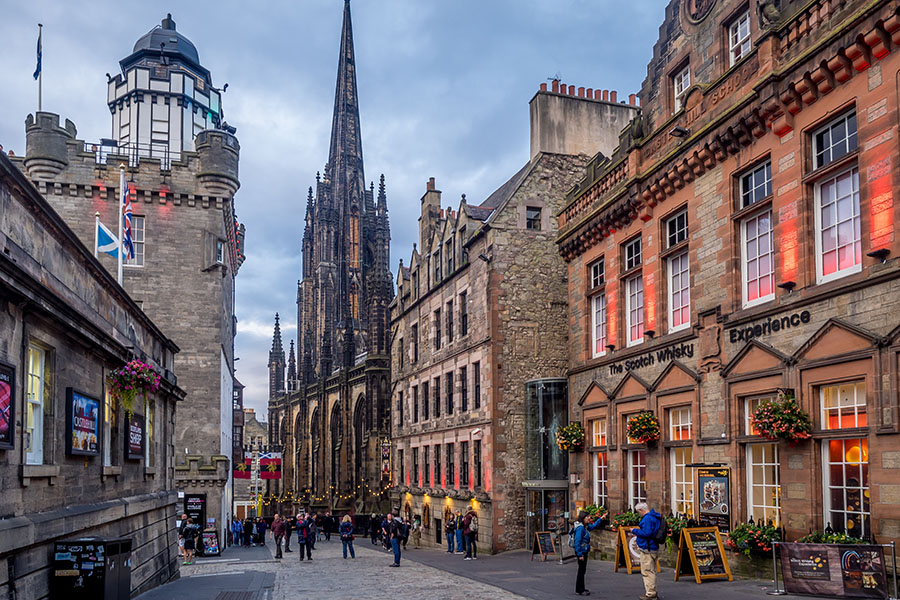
236,596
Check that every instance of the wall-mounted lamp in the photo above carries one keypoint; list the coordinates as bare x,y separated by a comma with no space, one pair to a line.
680,132
484,257
881,254
788,285
610,347
649,333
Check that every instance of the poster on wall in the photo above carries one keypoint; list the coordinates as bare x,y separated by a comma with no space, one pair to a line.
134,443
7,405
714,484
195,508
82,424
847,571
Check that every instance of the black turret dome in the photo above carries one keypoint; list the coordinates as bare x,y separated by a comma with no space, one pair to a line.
164,37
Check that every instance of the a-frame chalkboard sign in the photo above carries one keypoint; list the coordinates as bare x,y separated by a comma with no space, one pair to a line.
700,552
627,553
543,544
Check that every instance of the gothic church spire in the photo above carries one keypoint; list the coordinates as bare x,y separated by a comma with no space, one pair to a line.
346,140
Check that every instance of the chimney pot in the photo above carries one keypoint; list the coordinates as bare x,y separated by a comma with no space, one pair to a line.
590,93
612,96
430,186
606,95
543,87
632,99
571,90
555,86
581,92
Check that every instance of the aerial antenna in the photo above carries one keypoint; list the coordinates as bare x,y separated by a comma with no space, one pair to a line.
556,77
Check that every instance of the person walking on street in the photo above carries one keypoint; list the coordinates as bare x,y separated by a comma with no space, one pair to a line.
237,530
417,531
450,530
313,529
277,533
289,526
647,544
470,530
303,537
261,531
373,528
248,532
395,531
346,531
581,541
328,526
406,529
181,538
460,538
189,533
385,533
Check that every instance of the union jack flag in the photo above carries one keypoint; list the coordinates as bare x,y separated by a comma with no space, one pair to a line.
127,243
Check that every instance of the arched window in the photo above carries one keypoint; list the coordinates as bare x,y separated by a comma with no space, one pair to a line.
335,444
359,441
314,450
298,455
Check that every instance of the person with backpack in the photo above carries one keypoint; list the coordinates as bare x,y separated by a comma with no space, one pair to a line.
189,532
650,535
346,531
580,541
470,531
304,537
450,530
394,533
460,538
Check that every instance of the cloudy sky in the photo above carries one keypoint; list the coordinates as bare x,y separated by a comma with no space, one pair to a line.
444,90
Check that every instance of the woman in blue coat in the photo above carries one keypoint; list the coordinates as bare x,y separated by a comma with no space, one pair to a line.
581,540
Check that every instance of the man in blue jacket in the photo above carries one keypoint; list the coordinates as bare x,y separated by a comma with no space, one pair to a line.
645,534
581,541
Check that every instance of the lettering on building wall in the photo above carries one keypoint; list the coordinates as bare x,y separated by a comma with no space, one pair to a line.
652,358
768,327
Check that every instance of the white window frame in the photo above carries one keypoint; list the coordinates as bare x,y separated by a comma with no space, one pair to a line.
850,141
601,478
598,273
682,478
632,482
679,266
680,422
632,253
827,484
598,431
220,252
635,312
858,398
765,183
769,487
138,240
677,228
745,267
599,322
34,405
751,403
855,221
739,40
681,81
107,428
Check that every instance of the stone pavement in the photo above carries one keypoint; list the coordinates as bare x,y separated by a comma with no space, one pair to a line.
252,574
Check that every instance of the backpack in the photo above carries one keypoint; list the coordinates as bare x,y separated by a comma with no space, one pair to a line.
662,532
572,538
473,524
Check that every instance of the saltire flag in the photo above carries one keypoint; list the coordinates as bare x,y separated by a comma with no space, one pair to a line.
37,70
106,240
127,242
242,471
270,465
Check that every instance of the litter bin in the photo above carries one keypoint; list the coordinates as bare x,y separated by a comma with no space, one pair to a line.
91,569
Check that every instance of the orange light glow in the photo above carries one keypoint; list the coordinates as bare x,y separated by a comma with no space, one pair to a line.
881,205
611,312
857,456
650,301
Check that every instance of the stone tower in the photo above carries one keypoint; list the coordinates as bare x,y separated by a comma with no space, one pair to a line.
276,362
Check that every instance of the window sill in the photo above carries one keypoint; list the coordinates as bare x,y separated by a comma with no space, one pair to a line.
832,167
678,248
112,471
746,211
29,472
149,471
849,433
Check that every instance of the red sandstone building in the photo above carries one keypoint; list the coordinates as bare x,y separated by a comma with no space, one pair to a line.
738,243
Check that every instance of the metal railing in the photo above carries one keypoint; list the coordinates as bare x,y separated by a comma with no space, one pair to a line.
107,150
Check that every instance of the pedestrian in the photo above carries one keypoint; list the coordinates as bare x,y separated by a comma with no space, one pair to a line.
303,537
248,532
237,530
581,541
289,526
277,533
647,545
261,531
405,530
327,526
313,529
394,529
470,531
385,532
346,531
450,530
373,528
189,533
181,526
460,538
417,531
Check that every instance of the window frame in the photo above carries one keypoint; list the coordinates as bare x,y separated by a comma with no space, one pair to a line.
685,482
34,403
464,464
827,126
464,388
426,463
776,486
734,26
597,273
449,315
532,221
824,412
827,486
749,401
856,206
599,432
678,78
751,172
745,267
138,224
677,427
634,498
685,259
436,385
476,376
604,324
463,314
448,384
638,309
632,253
601,477
451,464
437,466
437,329
477,464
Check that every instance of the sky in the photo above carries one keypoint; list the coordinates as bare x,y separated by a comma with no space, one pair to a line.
443,91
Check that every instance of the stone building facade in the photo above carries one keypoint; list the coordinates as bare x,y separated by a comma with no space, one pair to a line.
739,247
256,438
64,325
188,242
478,323
329,412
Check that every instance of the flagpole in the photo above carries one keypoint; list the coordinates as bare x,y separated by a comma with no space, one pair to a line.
96,232
122,185
41,72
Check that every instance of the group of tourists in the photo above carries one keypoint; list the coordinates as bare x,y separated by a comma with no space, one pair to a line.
463,531
649,536
249,532
310,527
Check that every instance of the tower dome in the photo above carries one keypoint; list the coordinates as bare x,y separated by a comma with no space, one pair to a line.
164,41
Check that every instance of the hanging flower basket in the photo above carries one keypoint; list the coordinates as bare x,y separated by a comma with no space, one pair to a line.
570,437
643,428
782,419
126,382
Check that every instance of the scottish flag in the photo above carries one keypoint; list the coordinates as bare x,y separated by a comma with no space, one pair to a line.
106,241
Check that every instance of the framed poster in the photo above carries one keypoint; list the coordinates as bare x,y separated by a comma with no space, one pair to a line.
7,406
715,497
82,424
134,442
195,508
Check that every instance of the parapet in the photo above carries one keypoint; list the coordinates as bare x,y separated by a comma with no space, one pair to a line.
46,154
219,153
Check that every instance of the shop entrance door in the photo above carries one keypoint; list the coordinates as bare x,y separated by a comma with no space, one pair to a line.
546,511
